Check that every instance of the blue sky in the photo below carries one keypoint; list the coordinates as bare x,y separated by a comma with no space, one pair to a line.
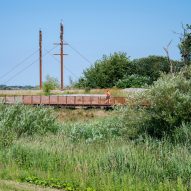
137,27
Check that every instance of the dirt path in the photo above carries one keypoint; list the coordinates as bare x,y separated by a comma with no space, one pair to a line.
6,185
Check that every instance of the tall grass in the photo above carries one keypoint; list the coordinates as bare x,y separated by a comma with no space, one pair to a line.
20,120
113,165
104,154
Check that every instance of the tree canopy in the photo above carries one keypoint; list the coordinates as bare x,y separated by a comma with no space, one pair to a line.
106,73
185,45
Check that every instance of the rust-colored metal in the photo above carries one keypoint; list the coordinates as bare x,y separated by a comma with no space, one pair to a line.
97,101
61,55
40,57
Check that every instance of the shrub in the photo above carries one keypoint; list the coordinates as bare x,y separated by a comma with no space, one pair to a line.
182,134
50,84
170,104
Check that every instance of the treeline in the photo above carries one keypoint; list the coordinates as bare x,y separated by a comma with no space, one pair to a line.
4,87
118,70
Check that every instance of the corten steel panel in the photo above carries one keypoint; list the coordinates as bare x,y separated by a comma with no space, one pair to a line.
94,100
86,100
120,100
45,100
79,100
71,100
36,100
53,100
62,100
27,100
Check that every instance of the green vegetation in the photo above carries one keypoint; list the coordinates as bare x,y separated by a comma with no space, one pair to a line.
133,81
118,70
4,87
170,104
106,72
131,148
18,120
114,152
185,44
50,84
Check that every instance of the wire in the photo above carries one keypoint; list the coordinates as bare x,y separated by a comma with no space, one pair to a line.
20,71
79,53
13,68
28,66
64,66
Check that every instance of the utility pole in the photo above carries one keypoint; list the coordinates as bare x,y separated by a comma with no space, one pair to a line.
61,55
40,57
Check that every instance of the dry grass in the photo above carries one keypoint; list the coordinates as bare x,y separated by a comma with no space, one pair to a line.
20,92
114,92
74,115
15,186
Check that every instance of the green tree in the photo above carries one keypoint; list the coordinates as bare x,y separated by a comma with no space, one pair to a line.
134,81
151,67
185,45
110,69
51,83
105,72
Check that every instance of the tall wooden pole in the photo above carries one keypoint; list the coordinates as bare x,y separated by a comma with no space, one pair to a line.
62,55
40,57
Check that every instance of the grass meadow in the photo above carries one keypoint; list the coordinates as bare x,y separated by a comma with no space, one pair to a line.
69,150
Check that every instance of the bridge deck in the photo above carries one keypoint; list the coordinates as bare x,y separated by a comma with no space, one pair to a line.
69,100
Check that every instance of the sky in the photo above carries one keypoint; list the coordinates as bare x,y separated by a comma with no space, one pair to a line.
92,28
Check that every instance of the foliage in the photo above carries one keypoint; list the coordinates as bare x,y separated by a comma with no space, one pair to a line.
101,130
109,165
170,104
105,72
153,66
110,69
19,120
109,153
185,45
134,81
51,83
182,134
52,183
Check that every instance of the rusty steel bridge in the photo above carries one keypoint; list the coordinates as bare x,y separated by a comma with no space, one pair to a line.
64,100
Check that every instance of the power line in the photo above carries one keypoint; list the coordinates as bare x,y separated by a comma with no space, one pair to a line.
28,66
79,53
20,63
65,66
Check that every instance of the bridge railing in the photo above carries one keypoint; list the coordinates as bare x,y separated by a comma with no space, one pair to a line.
63,100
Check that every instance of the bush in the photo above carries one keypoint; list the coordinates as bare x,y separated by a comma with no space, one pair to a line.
50,84
182,134
134,81
19,120
170,104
